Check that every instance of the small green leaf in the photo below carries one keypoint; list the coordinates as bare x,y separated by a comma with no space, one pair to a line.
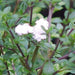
48,68
61,3
56,20
7,55
7,9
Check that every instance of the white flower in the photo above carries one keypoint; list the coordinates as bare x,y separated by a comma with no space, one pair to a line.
38,33
18,30
42,22
23,29
39,37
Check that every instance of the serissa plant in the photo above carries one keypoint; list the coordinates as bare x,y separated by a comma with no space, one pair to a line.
26,46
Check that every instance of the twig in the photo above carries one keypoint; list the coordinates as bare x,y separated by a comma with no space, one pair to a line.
26,62
58,41
65,56
27,10
41,68
70,32
14,38
5,62
56,72
17,3
13,66
31,12
35,54
7,67
9,49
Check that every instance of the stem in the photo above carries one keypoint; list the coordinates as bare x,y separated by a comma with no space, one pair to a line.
27,10
13,66
41,68
5,62
70,32
56,72
14,38
7,67
17,3
51,8
26,62
65,56
58,41
20,50
35,54
31,12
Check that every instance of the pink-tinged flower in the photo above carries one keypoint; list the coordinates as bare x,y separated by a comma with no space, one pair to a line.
23,29
39,37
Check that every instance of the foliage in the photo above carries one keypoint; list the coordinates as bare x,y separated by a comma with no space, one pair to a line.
24,55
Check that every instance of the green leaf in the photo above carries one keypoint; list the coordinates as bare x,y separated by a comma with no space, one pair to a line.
55,1
66,14
36,9
41,4
7,9
56,20
72,15
7,55
24,43
57,8
59,26
72,71
48,68
67,3
61,3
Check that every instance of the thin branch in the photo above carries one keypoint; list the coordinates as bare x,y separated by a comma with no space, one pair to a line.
65,56
41,68
9,49
26,62
70,32
31,12
35,54
27,10
14,38
57,72
17,3
58,41
13,66
5,62
7,67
